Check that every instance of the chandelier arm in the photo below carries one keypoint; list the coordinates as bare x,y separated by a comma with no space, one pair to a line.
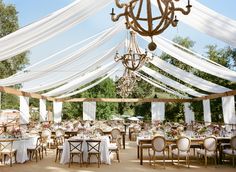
120,5
117,17
185,12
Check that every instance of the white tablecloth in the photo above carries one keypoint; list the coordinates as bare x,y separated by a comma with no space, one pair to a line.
103,148
21,148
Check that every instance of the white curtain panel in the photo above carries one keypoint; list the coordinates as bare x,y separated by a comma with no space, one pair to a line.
42,110
89,110
158,111
158,85
188,113
228,106
81,70
207,111
188,77
210,22
73,57
170,82
24,110
89,86
78,82
44,29
57,111
194,61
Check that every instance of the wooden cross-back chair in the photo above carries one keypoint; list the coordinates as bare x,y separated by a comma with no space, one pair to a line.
6,150
76,149
93,148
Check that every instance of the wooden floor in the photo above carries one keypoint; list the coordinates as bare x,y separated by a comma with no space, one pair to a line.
129,162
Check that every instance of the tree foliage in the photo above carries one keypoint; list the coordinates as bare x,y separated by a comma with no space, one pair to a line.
9,24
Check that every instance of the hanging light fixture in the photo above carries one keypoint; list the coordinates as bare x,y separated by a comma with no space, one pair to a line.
133,59
149,25
126,83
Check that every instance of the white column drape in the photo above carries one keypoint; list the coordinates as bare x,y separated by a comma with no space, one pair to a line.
42,110
228,107
77,82
72,57
89,110
24,110
170,82
207,111
57,111
158,111
188,113
59,21
194,61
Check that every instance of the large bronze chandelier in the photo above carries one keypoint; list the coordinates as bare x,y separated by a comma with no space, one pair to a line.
147,25
133,59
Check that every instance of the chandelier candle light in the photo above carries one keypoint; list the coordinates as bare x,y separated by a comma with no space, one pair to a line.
149,25
133,59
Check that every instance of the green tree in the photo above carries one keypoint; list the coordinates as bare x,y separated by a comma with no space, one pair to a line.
9,24
225,57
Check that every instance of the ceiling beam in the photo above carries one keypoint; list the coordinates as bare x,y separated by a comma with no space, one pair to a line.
25,94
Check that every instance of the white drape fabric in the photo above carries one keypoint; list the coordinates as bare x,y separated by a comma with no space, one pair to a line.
89,86
81,70
188,113
210,22
158,111
170,82
59,21
228,106
194,61
24,110
160,86
207,111
44,70
188,77
89,110
78,82
57,111
42,110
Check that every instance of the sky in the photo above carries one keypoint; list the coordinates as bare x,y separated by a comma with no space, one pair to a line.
33,10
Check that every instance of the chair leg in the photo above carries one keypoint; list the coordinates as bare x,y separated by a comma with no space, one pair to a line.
56,155
205,161
164,159
117,155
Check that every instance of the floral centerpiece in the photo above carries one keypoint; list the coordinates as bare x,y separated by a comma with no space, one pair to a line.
16,133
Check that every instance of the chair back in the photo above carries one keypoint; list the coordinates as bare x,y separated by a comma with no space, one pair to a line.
233,142
115,133
210,143
38,143
46,133
75,145
6,145
93,146
59,132
183,143
158,143
99,130
59,140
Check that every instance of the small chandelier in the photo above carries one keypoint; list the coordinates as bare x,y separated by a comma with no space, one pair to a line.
133,59
126,83
155,25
